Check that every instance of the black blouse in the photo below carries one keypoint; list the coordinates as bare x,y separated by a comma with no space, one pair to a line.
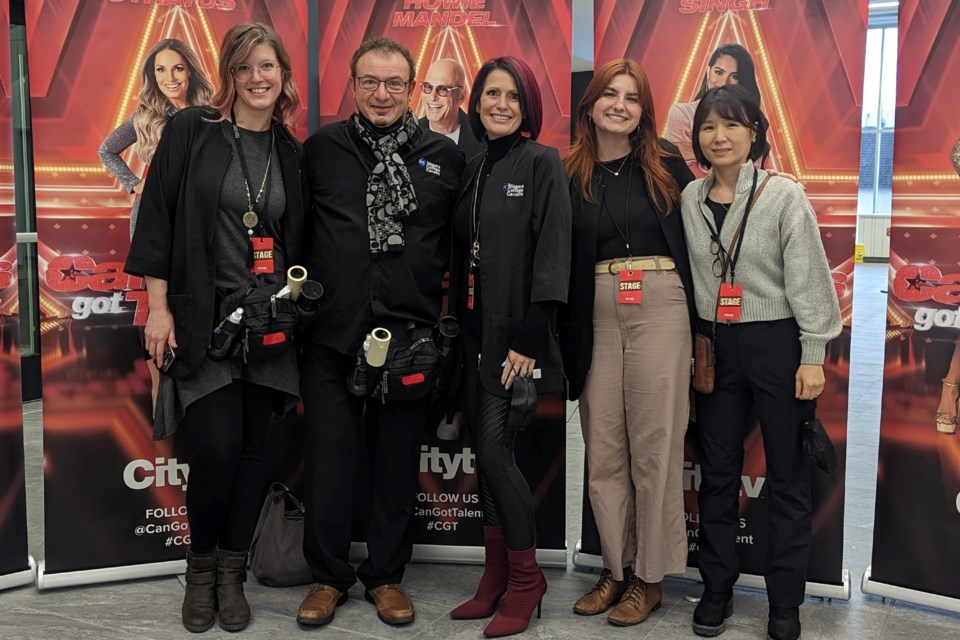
622,219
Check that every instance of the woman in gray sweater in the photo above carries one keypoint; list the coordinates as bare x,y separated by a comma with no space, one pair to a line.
763,271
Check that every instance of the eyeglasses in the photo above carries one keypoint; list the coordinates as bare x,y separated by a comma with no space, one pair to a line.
244,72
717,252
442,90
393,85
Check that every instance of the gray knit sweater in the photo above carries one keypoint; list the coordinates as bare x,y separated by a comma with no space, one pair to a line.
782,266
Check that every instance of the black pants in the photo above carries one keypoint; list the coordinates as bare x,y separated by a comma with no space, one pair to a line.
226,433
756,367
394,430
504,493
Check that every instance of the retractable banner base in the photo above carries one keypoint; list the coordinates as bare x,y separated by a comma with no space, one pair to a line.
19,578
913,596
814,589
449,554
108,574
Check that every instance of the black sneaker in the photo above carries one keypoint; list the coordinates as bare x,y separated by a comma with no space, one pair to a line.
783,623
709,618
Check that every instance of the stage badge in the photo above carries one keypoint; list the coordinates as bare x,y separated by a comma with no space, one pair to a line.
729,303
262,255
630,286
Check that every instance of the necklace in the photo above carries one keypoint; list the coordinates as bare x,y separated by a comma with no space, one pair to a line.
250,218
609,170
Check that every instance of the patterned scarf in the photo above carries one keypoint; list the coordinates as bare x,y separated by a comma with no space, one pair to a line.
390,195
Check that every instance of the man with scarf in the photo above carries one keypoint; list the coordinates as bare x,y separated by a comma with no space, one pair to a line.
383,191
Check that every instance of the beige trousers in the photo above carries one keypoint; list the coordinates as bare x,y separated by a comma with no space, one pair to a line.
633,412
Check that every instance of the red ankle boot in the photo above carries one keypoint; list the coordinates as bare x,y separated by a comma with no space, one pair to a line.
493,583
524,594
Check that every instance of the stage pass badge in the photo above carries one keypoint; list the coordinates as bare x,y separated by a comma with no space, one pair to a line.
262,255
728,306
630,286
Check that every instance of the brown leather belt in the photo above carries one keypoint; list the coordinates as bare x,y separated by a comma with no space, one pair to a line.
655,263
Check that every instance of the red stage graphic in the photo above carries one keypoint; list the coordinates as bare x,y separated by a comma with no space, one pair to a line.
799,50
85,69
917,521
469,31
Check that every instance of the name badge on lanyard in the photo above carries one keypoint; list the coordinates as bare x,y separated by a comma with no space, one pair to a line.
262,255
730,301
630,286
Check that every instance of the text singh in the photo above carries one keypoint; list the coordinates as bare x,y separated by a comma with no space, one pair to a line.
703,6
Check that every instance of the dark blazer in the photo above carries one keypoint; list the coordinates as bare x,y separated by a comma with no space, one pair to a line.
468,142
525,253
576,326
173,240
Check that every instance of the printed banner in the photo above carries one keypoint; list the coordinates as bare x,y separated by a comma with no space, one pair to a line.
817,141
917,521
14,557
113,496
448,511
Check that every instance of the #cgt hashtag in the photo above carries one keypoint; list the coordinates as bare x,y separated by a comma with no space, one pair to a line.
168,542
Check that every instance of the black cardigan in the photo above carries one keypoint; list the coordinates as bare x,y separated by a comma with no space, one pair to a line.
525,253
576,326
173,240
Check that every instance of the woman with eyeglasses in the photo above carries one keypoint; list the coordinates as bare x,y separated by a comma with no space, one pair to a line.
225,180
765,295
508,275
626,337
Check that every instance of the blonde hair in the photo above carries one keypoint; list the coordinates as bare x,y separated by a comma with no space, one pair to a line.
152,111
237,45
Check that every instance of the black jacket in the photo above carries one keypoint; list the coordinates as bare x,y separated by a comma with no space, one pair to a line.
576,326
173,240
391,289
525,253
468,142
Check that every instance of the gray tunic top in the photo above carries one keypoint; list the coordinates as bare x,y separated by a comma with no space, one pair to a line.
232,254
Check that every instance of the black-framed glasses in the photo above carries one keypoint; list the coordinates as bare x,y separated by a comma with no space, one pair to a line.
442,90
371,84
717,252
244,72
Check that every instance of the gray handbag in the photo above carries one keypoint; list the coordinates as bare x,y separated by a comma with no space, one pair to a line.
276,553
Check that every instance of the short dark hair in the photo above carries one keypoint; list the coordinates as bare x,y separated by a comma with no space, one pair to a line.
746,73
733,102
530,103
384,46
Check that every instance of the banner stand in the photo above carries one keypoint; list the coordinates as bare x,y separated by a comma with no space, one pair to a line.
20,578
815,589
108,574
913,596
451,554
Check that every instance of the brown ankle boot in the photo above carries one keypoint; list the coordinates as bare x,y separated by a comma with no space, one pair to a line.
604,594
231,574
638,601
199,600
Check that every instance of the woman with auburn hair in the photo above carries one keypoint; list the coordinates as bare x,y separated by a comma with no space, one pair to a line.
627,336
729,64
172,79
508,275
224,181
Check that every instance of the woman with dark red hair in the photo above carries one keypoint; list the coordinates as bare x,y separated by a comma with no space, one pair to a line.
627,357
508,275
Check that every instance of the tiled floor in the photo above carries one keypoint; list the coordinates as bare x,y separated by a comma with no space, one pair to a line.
149,609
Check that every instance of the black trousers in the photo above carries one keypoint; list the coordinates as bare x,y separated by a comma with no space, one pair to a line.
504,493
226,434
756,367
394,432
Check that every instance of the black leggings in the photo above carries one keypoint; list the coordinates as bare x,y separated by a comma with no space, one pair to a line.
226,434
504,492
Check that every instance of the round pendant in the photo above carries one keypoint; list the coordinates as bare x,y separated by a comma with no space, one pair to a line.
250,219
